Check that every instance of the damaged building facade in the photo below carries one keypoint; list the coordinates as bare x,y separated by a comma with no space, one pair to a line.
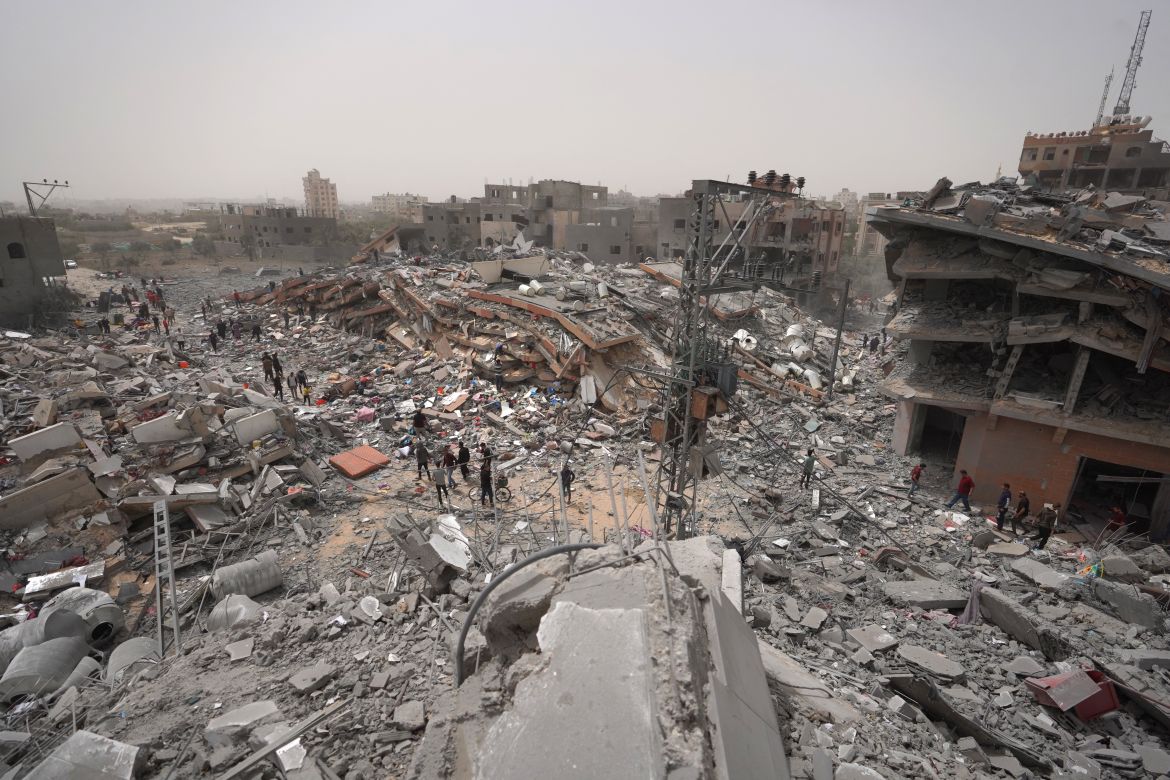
1120,154
1037,325
29,256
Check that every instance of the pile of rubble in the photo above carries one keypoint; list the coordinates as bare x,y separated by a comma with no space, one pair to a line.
326,616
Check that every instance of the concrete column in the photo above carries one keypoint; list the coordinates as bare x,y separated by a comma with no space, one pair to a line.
1160,512
908,426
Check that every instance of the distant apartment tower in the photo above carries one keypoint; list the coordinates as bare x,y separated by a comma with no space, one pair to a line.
407,205
320,196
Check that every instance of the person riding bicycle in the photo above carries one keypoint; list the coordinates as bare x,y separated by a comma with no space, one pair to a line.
486,492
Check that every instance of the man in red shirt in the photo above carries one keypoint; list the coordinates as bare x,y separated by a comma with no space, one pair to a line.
915,475
963,491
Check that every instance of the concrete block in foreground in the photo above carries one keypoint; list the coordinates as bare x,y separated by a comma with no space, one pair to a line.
88,756
927,594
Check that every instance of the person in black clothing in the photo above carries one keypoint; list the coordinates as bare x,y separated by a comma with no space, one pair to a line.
287,317
256,331
567,477
221,328
419,422
486,453
278,386
302,378
462,459
422,456
1023,506
214,340
277,368
154,319
485,483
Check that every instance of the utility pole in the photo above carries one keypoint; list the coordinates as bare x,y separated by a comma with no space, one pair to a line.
42,190
694,350
837,341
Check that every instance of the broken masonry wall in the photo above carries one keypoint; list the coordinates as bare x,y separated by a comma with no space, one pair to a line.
1024,454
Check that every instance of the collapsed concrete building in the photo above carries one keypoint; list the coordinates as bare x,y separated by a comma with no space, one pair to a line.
30,258
1037,325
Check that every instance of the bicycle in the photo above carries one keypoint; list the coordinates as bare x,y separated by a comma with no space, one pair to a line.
500,490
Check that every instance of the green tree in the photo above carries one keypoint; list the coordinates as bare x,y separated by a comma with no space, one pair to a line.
202,245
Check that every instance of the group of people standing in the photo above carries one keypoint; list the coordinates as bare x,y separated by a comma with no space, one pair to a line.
446,461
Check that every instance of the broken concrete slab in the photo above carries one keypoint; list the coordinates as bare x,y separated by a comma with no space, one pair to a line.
88,756
409,716
234,726
1131,605
67,493
932,663
1036,572
927,594
814,618
806,691
875,639
582,697
1024,666
256,426
238,651
1122,569
1010,549
46,441
312,679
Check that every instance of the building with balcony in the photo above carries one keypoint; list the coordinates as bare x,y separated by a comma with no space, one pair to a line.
1120,154
320,196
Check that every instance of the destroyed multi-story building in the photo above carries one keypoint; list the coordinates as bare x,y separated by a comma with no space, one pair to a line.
554,214
320,196
794,239
267,226
869,241
30,256
1037,325
1119,153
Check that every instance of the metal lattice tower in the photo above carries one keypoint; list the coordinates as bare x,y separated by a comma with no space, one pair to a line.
1131,66
693,345
1104,97
164,578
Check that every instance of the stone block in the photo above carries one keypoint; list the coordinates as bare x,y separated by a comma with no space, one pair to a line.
1122,569
256,426
312,679
88,756
409,716
70,491
814,618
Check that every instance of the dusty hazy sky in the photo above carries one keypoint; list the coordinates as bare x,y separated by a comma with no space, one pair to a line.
236,99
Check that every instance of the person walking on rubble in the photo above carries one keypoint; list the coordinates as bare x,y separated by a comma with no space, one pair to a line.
306,392
292,385
1023,506
448,464
302,378
154,319
963,491
221,328
419,422
266,361
915,478
167,325
236,298
180,339
440,480
236,330
287,318
214,341
1003,505
256,331
277,368
567,477
806,472
1045,523
486,494
422,457
463,459
278,386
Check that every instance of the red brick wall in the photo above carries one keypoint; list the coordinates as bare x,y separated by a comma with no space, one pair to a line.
1024,455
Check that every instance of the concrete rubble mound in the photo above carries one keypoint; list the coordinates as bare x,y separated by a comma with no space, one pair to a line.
343,612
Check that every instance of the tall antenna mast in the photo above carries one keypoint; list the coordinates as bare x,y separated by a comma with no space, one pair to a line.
1104,97
42,190
1135,59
